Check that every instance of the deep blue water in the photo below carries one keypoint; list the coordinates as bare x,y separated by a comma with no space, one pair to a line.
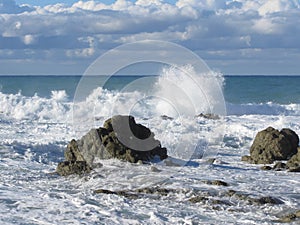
237,89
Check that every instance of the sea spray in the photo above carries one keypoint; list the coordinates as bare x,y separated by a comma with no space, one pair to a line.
190,92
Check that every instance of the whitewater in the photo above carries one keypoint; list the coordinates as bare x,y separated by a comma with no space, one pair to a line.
35,129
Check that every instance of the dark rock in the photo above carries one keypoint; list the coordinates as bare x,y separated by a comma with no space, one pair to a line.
294,162
125,194
210,116
121,137
216,182
72,152
270,145
265,200
198,199
124,139
266,168
231,192
246,158
211,160
220,202
155,190
165,117
279,166
290,217
139,193
296,169
72,167
254,200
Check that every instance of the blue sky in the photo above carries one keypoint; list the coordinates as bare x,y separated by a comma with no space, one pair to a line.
232,36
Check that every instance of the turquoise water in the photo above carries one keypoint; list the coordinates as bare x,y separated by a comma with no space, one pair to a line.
262,89
237,89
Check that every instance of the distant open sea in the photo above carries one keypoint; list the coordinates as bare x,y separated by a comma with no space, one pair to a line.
240,92
38,118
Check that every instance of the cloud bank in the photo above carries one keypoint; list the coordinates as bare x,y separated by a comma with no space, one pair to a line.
233,36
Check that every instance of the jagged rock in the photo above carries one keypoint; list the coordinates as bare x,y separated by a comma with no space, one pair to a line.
294,163
297,169
210,116
125,194
197,199
279,166
290,217
270,145
266,168
265,200
120,137
216,182
72,167
165,117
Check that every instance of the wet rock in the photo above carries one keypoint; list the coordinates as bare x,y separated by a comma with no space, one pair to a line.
156,190
165,117
295,170
279,166
124,139
230,192
216,182
294,162
265,200
139,193
120,137
154,169
266,168
125,194
270,145
211,160
198,199
290,217
72,167
253,200
210,116
246,158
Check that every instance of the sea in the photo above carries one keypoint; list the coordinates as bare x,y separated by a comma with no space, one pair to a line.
39,115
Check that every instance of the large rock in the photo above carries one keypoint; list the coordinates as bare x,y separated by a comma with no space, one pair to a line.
120,137
270,145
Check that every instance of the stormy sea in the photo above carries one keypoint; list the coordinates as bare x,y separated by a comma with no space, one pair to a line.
206,182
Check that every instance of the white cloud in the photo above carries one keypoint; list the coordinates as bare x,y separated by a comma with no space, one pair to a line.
28,39
277,6
265,26
87,28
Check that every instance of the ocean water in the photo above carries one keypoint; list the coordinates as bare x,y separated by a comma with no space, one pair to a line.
39,115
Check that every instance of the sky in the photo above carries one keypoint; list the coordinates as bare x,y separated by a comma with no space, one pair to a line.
234,37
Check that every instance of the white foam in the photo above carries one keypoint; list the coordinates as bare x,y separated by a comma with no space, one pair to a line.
268,108
34,132
35,108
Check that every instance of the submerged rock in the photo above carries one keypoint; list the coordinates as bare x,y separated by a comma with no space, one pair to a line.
209,116
270,145
295,216
216,182
279,166
120,137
